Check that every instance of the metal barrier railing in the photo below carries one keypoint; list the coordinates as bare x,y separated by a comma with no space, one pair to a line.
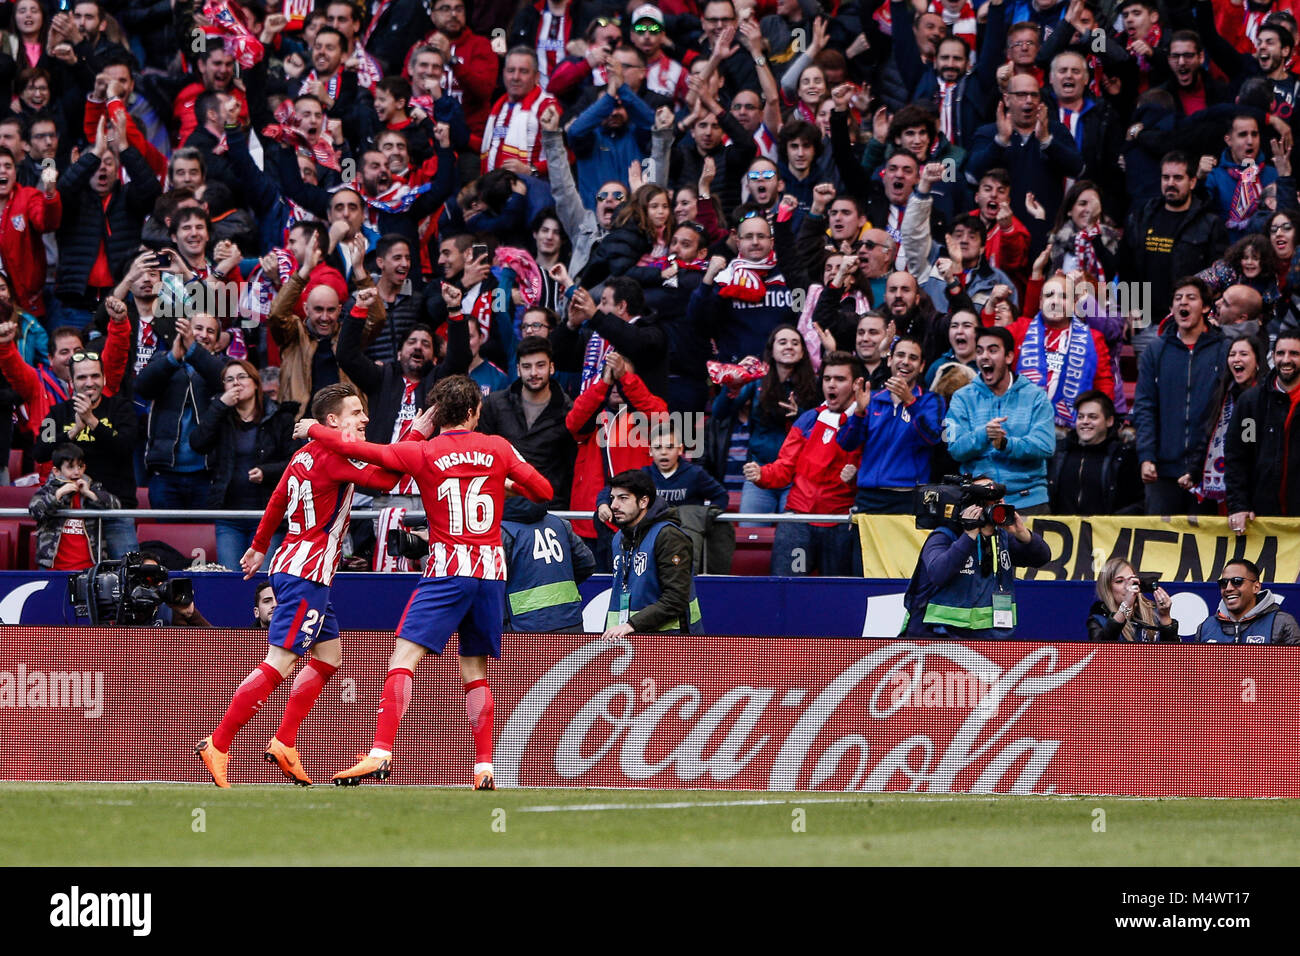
167,514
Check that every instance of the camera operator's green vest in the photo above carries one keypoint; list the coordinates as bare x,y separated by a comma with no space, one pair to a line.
964,606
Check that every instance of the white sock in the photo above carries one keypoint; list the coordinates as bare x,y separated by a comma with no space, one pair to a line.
480,767
381,754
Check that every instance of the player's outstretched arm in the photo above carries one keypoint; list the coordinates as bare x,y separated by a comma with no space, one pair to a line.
404,457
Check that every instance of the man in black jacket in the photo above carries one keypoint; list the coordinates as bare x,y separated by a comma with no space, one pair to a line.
100,213
530,415
104,428
388,36
181,382
397,391
210,111
1175,235
1262,467
622,322
1094,471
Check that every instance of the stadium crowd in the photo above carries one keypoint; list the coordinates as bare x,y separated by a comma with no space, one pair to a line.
1054,243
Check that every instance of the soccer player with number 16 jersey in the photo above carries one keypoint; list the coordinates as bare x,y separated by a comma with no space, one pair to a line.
463,478
315,495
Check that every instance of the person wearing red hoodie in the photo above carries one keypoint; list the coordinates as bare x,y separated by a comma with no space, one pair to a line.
824,477
1007,246
610,421
25,214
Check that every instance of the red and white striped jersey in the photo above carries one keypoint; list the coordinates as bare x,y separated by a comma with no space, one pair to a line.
315,495
462,479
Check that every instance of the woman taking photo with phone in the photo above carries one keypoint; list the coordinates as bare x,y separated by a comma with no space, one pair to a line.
1122,612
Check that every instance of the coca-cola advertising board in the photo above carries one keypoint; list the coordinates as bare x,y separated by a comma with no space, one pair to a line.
674,711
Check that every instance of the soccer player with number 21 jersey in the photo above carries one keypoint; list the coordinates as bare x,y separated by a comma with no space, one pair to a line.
315,496
463,478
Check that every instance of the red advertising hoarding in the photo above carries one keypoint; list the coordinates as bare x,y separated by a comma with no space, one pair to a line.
676,711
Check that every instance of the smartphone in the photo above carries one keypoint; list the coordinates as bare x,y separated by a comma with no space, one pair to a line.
478,251
1147,583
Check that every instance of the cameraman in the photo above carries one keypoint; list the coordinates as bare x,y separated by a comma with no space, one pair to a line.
964,586
173,615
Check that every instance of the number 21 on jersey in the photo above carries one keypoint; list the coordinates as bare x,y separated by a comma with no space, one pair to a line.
300,493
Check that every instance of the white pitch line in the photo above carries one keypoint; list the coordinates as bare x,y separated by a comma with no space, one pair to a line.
683,805
884,798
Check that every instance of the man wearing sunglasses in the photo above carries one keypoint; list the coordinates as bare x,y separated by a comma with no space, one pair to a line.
1248,613
664,75
585,227
763,184
104,427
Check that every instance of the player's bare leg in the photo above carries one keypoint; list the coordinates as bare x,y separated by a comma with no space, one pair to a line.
392,706
311,680
214,750
478,708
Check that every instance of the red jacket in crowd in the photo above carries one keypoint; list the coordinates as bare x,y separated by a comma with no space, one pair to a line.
28,213
609,442
812,458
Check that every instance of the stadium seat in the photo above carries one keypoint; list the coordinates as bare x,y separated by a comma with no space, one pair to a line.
11,497
753,551
190,539
733,501
8,546
15,463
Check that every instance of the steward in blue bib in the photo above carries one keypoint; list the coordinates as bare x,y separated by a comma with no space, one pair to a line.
653,586
546,563
965,588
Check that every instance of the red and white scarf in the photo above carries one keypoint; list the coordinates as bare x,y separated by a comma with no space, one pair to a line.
667,77
255,304
390,519
962,21
287,130
331,85
512,129
1152,39
744,279
945,97
1086,253
368,70
228,24
1245,195
553,31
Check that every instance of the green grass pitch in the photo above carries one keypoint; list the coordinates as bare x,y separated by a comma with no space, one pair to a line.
157,825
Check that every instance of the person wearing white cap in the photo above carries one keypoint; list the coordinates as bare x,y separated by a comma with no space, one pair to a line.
664,75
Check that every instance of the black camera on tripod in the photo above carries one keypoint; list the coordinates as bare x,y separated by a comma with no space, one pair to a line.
126,592
943,504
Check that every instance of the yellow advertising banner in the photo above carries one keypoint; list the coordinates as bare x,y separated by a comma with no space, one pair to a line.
1179,549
